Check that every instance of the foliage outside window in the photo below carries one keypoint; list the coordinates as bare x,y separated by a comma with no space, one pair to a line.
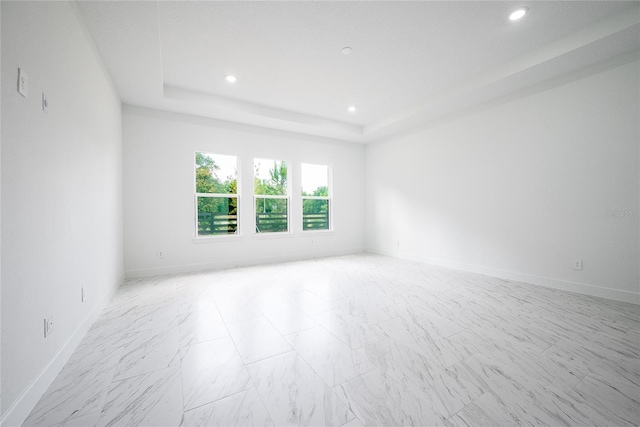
216,194
271,196
315,197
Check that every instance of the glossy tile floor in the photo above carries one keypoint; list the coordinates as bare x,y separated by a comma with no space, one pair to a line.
358,340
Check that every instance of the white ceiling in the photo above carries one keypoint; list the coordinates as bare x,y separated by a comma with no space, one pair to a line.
412,62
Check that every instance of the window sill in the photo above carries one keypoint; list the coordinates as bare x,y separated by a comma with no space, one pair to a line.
316,233
262,236
218,238
278,235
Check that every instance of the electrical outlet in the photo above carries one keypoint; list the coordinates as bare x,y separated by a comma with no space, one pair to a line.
23,83
83,295
160,254
577,264
48,326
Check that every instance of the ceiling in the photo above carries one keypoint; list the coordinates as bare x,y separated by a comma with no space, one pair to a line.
411,62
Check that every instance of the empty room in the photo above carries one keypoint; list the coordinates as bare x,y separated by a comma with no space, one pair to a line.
320,213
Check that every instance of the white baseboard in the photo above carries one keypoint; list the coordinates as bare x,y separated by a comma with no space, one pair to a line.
241,262
547,282
28,399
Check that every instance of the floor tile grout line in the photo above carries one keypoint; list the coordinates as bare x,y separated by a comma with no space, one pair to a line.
579,382
181,382
243,365
218,399
324,382
332,333
305,360
270,357
149,372
467,405
269,411
298,353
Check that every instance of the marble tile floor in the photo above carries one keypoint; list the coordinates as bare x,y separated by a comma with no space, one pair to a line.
350,341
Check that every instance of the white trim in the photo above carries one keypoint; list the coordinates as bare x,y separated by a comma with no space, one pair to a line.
218,237
220,195
287,197
28,399
272,235
328,198
235,195
317,232
547,282
270,196
240,262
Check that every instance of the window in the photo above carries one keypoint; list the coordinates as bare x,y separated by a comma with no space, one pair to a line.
216,194
271,196
315,197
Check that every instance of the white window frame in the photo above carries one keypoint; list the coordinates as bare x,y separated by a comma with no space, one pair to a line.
328,198
216,195
286,197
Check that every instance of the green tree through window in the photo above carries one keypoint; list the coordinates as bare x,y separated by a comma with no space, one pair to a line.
315,197
216,197
271,196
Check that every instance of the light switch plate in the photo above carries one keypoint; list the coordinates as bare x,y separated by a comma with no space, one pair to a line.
48,326
23,83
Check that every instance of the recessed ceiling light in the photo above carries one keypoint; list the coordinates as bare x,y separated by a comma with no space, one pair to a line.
518,13
352,108
231,79
346,50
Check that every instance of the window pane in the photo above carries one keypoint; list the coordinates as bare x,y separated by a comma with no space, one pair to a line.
270,177
315,214
315,180
216,173
271,215
217,215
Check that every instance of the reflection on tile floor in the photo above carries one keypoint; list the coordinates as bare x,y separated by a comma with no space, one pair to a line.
350,341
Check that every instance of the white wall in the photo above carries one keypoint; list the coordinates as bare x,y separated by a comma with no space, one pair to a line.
159,187
522,189
61,195
0,221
